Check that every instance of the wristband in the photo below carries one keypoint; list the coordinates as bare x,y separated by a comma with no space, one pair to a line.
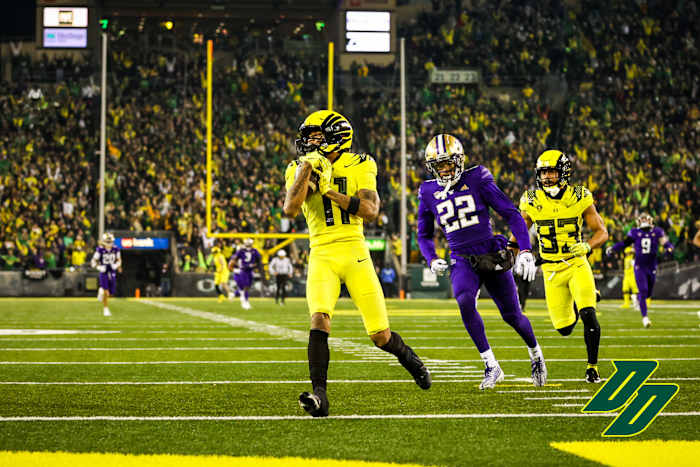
354,205
512,244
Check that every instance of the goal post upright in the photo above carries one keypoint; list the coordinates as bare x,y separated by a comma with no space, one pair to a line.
210,58
330,74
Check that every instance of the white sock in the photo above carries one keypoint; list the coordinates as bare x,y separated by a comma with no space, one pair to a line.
535,352
489,358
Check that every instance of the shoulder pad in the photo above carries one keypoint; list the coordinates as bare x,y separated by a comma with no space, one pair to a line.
357,159
484,173
530,196
579,192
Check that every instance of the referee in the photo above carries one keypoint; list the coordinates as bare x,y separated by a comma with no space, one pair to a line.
281,270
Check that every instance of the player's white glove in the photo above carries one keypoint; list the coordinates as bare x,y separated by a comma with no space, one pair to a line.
102,268
609,251
438,266
580,249
525,266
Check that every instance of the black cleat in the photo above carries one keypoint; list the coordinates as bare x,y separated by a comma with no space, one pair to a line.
420,373
315,403
592,376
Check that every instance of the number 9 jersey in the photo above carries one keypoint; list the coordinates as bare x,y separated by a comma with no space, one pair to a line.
327,222
559,220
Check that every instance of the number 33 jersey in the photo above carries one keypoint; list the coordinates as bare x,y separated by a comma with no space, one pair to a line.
327,222
558,221
462,212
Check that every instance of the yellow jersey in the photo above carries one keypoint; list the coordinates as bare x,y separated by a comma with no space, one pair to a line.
558,221
629,261
327,222
220,263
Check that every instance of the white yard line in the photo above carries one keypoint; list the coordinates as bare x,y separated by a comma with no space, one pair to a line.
568,405
217,362
440,379
543,390
277,331
554,398
108,349
336,417
117,339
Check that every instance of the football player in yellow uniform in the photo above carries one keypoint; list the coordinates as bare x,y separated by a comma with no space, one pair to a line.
337,191
558,211
629,283
221,275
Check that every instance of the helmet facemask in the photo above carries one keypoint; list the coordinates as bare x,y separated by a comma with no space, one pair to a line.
446,179
552,189
645,221
108,240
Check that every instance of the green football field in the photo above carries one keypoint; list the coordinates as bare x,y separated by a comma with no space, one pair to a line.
194,377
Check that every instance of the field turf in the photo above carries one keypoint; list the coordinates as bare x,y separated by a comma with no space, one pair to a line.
194,377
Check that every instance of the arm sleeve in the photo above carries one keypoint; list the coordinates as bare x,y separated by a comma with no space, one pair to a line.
504,206
426,229
623,244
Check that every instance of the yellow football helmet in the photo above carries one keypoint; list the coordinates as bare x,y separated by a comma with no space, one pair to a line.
336,129
557,160
645,221
445,159
629,251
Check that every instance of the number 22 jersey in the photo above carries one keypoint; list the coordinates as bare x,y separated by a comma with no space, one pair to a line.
327,222
462,212
558,220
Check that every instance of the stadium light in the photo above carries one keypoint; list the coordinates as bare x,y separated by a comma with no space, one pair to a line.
168,25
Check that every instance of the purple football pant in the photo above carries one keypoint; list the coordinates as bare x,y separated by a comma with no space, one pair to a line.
244,279
504,293
645,283
108,282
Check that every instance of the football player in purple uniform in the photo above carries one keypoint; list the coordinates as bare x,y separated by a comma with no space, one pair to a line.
108,260
460,198
646,239
245,260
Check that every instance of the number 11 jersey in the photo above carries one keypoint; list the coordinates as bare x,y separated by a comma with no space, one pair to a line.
558,220
328,223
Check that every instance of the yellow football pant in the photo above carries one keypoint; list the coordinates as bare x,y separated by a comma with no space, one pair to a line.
221,277
563,287
350,263
629,283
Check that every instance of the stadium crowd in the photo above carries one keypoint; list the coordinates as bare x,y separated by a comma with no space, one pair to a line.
614,86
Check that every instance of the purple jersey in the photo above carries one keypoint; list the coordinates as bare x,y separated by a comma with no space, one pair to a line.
463,215
247,258
110,258
646,245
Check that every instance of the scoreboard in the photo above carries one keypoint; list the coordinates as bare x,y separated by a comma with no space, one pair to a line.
64,27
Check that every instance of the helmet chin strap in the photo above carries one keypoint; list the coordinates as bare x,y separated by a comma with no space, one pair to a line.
552,190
